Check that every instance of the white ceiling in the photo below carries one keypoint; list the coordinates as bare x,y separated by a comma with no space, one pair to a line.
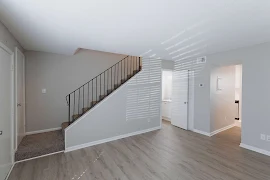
169,29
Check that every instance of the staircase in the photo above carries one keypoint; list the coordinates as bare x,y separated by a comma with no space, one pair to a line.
97,89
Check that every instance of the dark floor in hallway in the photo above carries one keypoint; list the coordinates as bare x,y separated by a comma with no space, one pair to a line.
40,144
167,154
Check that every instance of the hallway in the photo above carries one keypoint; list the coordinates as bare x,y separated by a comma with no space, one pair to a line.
170,153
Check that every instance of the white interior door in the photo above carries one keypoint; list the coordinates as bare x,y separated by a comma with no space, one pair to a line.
6,111
20,97
180,99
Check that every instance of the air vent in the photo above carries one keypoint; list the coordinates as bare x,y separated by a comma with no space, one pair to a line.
201,60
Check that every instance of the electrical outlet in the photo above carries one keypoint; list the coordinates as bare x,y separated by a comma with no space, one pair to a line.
263,137
268,138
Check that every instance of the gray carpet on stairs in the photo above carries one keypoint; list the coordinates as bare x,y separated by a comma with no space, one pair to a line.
40,144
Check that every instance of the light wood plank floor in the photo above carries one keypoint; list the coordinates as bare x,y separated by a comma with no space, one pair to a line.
170,153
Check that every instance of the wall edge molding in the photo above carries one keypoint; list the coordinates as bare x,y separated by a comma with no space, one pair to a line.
222,129
43,131
201,132
73,148
255,149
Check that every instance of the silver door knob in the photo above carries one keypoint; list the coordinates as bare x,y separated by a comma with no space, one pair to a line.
185,102
19,104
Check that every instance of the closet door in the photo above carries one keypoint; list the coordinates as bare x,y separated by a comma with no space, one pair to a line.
6,122
180,99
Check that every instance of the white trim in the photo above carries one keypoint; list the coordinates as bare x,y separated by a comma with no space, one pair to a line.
252,148
73,148
17,51
222,129
166,118
201,132
42,131
39,156
6,48
13,164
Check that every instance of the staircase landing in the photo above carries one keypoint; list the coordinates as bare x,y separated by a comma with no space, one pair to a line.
40,144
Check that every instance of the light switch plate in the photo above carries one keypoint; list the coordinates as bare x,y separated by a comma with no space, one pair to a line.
268,138
44,91
262,136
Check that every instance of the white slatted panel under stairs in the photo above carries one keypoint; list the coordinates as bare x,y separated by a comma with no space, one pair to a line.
144,92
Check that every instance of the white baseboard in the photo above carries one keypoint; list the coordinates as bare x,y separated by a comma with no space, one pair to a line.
237,123
42,131
73,148
252,148
201,132
39,156
10,171
166,119
222,129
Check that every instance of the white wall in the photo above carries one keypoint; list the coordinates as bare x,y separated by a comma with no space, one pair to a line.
7,38
166,85
256,102
222,100
134,107
167,64
238,90
59,75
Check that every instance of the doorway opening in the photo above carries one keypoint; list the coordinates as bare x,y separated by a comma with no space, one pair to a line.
166,95
178,98
226,101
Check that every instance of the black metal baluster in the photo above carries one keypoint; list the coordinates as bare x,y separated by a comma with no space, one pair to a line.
139,63
69,108
131,66
88,101
73,106
79,100
92,93
100,87
83,96
124,69
117,73
114,75
107,80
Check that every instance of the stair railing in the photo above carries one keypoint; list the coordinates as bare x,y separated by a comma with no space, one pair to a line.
89,94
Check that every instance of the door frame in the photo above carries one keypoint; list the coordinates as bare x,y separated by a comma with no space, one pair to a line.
190,100
16,97
12,119
191,91
161,92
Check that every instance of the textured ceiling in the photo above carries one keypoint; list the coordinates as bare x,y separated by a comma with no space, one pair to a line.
169,29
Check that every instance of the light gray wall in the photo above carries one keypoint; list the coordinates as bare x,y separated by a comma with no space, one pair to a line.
134,107
255,62
60,75
222,110
7,38
167,64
